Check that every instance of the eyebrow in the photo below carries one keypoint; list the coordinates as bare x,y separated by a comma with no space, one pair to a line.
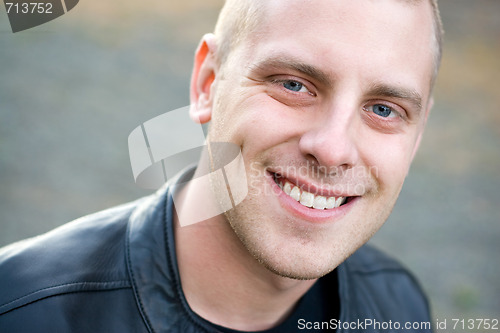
410,95
289,63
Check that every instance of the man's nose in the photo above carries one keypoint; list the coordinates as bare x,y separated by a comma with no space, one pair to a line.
331,141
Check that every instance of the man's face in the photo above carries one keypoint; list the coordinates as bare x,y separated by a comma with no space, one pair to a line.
327,99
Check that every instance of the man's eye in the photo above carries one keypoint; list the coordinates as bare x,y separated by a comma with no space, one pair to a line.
294,86
383,111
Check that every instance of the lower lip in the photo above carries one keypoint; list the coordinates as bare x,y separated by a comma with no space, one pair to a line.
310,214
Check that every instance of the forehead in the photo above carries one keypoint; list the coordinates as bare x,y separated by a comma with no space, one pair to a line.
362,37
351,17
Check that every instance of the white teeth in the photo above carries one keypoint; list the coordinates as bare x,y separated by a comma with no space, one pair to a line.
307,199
330,203
295,193
319,202
310,200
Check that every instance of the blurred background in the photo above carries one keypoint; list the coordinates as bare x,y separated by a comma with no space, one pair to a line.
73,89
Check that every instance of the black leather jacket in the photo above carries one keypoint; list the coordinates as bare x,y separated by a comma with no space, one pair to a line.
116,271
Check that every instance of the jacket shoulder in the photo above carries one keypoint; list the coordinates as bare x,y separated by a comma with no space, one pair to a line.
377,286
86,254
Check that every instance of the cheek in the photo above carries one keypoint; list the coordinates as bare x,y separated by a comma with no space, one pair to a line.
389,159
252,120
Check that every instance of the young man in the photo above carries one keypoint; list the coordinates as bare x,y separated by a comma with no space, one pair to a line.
327,101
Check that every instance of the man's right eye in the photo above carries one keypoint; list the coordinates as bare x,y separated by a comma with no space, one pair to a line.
291,90
294,86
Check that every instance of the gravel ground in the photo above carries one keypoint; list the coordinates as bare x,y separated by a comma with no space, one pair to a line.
73,89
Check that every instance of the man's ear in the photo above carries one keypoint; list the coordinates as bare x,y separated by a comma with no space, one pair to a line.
204,71
419,138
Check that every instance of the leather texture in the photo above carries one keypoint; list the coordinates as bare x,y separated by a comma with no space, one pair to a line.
116,271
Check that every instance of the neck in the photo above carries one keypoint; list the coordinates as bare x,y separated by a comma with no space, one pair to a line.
222,282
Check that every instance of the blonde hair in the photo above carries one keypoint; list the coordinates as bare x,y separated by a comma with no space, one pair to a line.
236,19
240,17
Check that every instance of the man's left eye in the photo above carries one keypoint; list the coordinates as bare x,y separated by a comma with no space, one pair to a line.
295,86
383,111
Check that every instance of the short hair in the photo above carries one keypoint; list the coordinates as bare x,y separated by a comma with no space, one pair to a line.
240,17
236,19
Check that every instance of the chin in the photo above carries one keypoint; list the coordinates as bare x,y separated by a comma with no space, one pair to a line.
299,271
304,263
289,254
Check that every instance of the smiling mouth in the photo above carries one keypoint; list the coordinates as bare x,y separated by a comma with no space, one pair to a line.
308,199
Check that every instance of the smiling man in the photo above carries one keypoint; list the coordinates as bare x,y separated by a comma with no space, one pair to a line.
338,90
327,101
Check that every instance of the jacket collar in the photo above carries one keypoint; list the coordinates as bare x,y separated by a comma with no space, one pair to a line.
152,263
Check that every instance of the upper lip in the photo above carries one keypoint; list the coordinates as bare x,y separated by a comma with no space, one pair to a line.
311,187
